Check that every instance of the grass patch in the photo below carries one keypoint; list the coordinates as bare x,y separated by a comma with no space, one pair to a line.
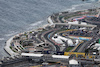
69,48
21,47
12,49
61,30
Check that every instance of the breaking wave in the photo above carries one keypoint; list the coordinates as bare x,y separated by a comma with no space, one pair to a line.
36,25
2,39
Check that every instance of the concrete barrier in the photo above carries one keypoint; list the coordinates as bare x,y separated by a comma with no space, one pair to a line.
50,20
7,47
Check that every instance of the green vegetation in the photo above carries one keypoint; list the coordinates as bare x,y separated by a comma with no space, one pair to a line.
21,47
99,40
69,48
21,42
30,32
61,30
25,33
12,48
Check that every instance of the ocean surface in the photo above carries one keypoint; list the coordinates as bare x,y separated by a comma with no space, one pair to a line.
23,15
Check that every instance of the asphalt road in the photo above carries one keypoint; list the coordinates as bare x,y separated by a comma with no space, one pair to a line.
46,38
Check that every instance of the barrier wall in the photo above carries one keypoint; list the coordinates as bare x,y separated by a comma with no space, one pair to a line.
80,38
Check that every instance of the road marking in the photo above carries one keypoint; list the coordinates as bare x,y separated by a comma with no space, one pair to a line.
77,46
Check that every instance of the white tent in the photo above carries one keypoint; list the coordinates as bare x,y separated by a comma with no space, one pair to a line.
59,39
75,22
60,56
83,23
74,62
97,45
31,54
99,48
70,42
77,41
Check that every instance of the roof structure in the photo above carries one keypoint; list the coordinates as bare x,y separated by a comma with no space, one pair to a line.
73,61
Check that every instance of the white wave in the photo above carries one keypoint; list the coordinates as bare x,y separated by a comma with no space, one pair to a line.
2,39
79,6
85,6
11,33
36,25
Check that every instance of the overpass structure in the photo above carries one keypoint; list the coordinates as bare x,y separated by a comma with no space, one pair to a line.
45,57
81,25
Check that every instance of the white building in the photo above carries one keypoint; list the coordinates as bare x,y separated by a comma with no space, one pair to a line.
77,22
73,62
97,46
58,39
